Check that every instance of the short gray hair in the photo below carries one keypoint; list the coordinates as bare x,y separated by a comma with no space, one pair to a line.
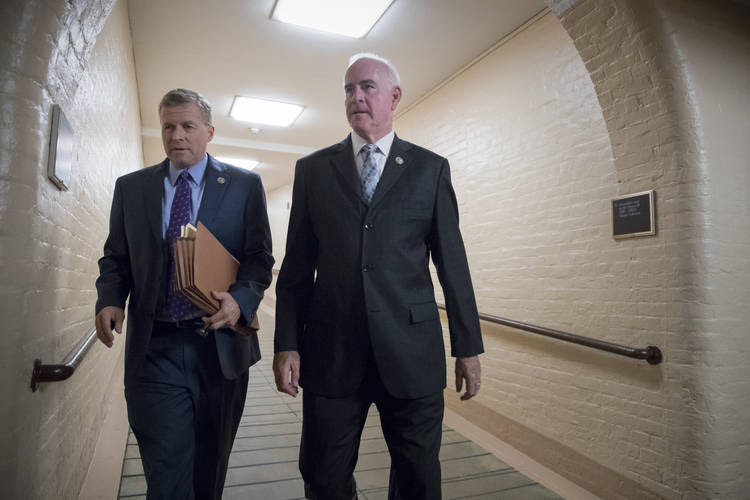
393,75
178,97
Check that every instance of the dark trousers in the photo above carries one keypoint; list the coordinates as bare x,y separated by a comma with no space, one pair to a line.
331,432
185,415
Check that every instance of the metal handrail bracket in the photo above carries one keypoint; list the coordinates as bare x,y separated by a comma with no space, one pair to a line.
56,373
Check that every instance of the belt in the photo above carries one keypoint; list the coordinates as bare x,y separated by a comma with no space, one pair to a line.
188,325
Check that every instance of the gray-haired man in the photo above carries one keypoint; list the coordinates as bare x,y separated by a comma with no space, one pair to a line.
356,318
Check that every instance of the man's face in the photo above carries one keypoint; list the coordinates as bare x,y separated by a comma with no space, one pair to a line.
370,99
184,134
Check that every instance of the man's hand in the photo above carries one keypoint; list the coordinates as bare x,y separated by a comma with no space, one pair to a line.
286,371
469,369
227,315
109,317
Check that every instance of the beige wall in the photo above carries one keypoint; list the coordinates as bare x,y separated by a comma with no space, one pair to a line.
58,52
279,202
534,173
709,49
672,78
537,230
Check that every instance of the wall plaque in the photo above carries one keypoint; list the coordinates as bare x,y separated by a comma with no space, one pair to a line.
60,160
633,215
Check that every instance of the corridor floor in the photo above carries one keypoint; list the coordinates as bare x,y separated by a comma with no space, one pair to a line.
263,463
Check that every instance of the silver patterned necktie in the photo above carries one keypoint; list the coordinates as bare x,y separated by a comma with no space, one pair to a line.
369,171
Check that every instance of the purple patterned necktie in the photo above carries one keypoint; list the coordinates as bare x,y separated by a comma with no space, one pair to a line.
182,205
369,171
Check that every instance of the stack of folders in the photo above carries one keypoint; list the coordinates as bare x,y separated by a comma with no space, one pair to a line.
203,265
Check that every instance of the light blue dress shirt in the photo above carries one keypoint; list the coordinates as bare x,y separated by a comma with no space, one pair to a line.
197,185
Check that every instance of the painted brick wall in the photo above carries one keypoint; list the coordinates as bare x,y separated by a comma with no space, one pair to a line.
541,134
534,172
672,79
708,44
58,52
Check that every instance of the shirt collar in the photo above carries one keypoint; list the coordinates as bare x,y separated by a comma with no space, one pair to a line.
384,144
197,171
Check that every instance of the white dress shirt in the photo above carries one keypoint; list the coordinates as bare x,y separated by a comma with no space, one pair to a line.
381,154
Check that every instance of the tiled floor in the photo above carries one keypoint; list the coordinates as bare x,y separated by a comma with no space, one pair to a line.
263,464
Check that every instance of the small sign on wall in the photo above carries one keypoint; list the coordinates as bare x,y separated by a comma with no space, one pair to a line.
633,215
60,161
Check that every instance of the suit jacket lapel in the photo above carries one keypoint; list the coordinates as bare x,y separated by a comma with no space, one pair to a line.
346,170
395,164
153,193
217,180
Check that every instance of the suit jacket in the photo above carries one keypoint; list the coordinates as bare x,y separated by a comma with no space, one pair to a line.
355,283
135,255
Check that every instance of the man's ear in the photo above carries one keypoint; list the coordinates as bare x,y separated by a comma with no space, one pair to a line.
396,96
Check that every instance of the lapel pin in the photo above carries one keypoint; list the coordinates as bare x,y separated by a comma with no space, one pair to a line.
399,160
221,180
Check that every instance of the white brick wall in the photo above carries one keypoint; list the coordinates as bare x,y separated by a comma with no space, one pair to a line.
686,88
534,174
529,136
50,239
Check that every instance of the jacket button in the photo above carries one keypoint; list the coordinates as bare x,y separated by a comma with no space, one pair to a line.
366,268
368,226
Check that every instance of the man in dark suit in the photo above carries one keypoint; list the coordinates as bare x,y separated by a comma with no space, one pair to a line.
356,317
186,374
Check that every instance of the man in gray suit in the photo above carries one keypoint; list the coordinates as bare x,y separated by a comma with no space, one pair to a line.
186,375
356,317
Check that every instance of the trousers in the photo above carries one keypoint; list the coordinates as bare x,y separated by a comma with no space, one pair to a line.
332,430
184,414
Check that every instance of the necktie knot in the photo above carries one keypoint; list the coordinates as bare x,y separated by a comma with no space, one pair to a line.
184,177
369,150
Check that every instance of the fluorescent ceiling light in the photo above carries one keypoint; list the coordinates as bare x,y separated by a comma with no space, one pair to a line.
239,162
250,109
344,17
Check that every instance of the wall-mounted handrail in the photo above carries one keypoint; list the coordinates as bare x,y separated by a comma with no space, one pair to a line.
56,373
651,354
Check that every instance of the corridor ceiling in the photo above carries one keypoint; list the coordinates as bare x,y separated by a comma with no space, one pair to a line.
225,48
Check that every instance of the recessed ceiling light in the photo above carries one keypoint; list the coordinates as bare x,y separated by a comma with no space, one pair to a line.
250,109
344,17
239,162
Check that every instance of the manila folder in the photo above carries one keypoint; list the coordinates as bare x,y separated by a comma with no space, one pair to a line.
214,268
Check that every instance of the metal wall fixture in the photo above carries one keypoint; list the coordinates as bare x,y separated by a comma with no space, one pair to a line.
650,354
63,371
